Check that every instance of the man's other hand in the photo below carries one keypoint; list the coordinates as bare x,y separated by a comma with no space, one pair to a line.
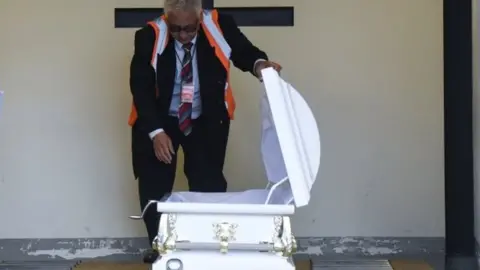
163,147
266,64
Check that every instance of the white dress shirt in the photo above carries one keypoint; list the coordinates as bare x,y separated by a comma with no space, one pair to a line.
177,88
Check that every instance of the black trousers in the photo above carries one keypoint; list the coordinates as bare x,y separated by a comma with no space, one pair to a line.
204,155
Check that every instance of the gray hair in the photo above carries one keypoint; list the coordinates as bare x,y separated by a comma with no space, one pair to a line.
170,5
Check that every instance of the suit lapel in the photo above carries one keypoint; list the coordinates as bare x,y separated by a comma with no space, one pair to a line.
205,56
166,66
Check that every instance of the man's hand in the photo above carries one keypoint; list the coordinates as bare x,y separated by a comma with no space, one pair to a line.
266,64
163,147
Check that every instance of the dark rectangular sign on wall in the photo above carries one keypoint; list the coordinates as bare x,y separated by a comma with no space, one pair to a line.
244,16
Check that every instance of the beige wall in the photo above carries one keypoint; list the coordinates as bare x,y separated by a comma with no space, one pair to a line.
371,71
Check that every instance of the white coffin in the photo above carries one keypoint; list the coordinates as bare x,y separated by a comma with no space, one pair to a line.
249,229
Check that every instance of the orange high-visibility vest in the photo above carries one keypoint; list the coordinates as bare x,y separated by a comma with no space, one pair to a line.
215,37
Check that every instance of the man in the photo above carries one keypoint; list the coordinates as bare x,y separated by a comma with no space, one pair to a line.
182,97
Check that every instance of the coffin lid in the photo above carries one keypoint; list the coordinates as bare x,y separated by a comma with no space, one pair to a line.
297,139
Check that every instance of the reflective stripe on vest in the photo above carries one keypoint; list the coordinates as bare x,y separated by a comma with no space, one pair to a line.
214,36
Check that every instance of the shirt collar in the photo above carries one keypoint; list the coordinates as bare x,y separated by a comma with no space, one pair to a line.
180,45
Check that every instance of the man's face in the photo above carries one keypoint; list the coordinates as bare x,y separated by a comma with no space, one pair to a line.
183,25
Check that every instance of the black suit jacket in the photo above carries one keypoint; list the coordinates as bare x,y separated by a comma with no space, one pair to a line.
153,110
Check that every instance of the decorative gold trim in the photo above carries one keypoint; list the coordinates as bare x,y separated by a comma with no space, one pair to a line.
288,238
278,245
224,232
155,245
170,243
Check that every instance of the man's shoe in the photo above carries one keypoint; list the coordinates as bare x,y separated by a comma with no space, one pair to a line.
150,256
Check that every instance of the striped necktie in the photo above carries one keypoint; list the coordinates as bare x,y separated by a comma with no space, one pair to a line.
186,75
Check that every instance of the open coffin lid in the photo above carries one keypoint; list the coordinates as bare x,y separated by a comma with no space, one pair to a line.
290,149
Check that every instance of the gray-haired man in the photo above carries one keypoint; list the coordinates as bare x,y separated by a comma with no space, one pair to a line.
182,97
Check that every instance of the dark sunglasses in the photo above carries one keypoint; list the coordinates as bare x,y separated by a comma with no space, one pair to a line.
190,28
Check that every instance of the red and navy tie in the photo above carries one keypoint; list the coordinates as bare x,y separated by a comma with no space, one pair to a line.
186,75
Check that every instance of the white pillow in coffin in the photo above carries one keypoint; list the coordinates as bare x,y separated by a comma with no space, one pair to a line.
290,150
